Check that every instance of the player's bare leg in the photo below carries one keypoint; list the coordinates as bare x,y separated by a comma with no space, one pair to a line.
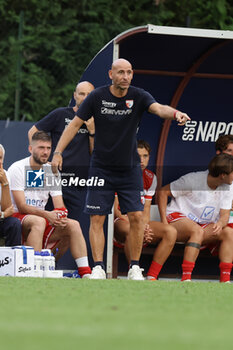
33,230
225,250
189,232
166,235
127,249
192,234
97,238
226,246
97,241
121,234
135,234
121,230
72,231
61,248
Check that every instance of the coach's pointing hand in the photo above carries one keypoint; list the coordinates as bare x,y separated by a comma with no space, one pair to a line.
181,117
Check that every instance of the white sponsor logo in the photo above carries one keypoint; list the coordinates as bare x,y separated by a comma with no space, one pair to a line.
67,121
129,103
108,104
205,131
115,112
81,131
93,206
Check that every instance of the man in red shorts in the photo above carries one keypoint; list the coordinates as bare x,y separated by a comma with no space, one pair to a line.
199,210
32,182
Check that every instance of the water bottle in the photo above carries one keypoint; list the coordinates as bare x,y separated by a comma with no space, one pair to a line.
52,262
46,261
37,260
38,264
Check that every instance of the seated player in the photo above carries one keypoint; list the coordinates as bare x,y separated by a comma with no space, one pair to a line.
10,227
165,234
199,210
32,182
224,144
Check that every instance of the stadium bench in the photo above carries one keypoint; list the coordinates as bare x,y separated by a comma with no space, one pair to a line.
206,265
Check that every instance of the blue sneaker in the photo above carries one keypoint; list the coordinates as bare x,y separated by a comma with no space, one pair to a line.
73,274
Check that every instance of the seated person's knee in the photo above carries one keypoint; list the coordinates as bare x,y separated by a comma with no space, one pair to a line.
171,233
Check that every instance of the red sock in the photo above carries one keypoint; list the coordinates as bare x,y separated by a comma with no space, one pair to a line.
187,268
225,271
154,269
85,270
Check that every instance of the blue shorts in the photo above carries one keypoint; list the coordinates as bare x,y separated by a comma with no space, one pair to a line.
127,184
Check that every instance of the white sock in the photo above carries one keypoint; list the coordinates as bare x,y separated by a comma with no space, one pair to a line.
82,262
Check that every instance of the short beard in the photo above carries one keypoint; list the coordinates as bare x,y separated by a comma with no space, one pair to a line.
37,160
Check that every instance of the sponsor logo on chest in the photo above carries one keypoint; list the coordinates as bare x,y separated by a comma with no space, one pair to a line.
67,121
108,104
81,130
110,108
129,103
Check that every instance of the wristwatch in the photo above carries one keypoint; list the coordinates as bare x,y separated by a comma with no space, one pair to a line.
2,216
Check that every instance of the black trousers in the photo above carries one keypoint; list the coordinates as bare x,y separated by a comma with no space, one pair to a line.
10,230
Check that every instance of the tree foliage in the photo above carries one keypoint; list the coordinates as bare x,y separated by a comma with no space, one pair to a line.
60,37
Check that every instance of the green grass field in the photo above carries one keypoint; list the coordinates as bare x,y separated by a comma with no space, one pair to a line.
114,314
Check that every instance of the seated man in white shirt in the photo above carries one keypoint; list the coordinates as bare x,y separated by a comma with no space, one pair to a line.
199,210
32,181
10,227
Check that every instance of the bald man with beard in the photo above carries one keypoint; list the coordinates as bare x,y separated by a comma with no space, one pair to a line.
77,155
117,110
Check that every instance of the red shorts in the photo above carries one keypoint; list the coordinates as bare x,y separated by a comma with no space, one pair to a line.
173,217
49,229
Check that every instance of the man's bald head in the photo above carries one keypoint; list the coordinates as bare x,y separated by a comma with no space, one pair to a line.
85,85
121,62
82,90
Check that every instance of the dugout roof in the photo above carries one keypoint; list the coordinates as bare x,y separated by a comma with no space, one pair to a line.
189,69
